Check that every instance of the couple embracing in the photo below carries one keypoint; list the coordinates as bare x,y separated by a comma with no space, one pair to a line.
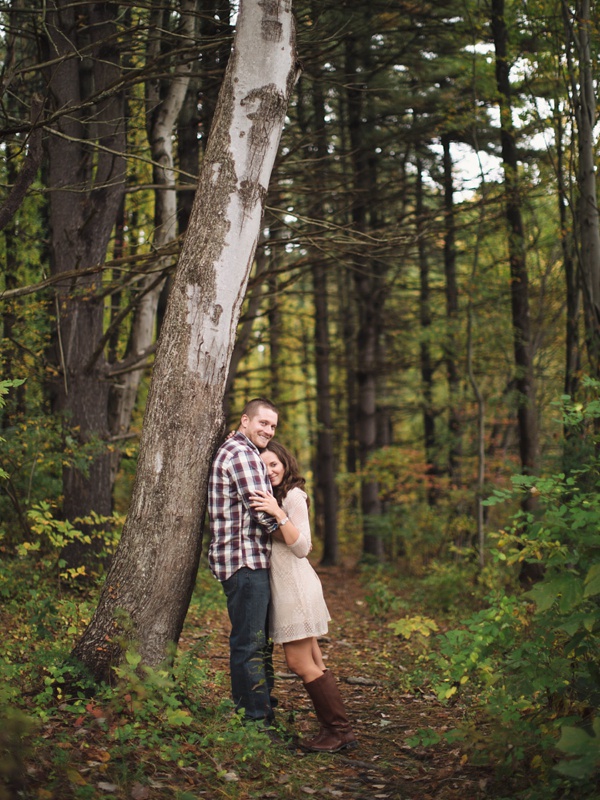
260,539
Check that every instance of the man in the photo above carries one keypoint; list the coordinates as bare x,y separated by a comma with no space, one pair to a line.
239,555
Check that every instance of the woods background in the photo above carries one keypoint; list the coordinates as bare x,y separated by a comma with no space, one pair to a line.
424,302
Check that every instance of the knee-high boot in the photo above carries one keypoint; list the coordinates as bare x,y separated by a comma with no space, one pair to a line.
336,732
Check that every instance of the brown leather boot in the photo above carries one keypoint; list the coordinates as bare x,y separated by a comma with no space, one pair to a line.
336,732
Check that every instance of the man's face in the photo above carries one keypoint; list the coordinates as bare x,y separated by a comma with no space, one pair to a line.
260,428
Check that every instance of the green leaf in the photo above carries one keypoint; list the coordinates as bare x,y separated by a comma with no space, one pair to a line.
584,752
133,658
592,581
567,589
544,594
571,593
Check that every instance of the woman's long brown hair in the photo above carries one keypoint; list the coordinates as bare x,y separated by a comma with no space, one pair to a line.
291,471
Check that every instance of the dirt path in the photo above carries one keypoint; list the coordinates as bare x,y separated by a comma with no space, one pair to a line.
368,663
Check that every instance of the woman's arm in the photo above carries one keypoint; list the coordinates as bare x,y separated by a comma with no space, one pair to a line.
297,507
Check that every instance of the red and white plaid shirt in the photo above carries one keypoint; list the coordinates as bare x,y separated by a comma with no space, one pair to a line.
241,537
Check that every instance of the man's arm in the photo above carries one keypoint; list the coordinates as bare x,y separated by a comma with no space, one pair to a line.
249,477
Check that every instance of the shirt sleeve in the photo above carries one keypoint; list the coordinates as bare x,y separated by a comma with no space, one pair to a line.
296,508
249,476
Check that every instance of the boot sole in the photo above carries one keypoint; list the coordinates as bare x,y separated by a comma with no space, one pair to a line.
348,746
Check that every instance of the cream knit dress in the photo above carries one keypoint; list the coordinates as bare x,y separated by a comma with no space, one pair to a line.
298,608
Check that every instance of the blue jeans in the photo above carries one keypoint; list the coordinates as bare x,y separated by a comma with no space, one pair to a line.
250,652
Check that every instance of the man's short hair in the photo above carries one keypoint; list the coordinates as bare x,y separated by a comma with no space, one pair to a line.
252,407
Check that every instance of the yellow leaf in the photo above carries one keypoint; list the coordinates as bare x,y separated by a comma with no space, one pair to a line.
537,762
75,777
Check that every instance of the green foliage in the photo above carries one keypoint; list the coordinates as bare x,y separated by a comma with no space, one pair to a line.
15,733
582,749
380,596
528,662
152,722
4,387
51,535
34,453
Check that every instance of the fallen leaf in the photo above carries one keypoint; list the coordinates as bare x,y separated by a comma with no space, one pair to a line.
139,792
107,787
75,777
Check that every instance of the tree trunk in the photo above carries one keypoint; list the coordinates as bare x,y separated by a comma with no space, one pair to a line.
451,338
519,286
164,100
326,499
426,361
86,174
153,571
369,290
584,100
523,349
573,292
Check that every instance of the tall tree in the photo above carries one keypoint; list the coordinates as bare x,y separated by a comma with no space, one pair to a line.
519,277
86,170
153,571
451,338
368,278
312,122
578,24
425,355
165,95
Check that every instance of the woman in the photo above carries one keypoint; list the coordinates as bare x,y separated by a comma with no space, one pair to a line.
298,612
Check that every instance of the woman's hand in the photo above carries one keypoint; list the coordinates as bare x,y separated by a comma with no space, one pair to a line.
264,501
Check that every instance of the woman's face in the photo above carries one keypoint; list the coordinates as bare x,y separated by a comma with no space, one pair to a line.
275,468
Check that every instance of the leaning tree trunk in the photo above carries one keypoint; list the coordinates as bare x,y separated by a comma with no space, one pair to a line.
153,571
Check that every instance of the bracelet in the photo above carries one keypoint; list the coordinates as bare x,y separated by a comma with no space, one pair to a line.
283,521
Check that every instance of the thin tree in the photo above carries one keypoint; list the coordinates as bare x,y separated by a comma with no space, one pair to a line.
578,25
519,277
164,101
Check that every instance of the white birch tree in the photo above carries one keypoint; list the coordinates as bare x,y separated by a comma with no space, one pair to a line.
153,571
162,111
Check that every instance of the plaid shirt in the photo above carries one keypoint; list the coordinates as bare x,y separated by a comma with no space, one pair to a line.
240,535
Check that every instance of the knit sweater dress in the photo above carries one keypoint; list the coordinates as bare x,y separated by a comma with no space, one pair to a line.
298,608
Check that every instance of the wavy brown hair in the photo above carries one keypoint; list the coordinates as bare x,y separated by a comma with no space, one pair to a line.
291,471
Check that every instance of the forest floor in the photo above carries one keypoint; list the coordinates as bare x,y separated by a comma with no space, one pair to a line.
122,745
370,664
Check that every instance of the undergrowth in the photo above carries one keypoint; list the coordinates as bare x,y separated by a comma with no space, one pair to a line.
522,666
159,731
